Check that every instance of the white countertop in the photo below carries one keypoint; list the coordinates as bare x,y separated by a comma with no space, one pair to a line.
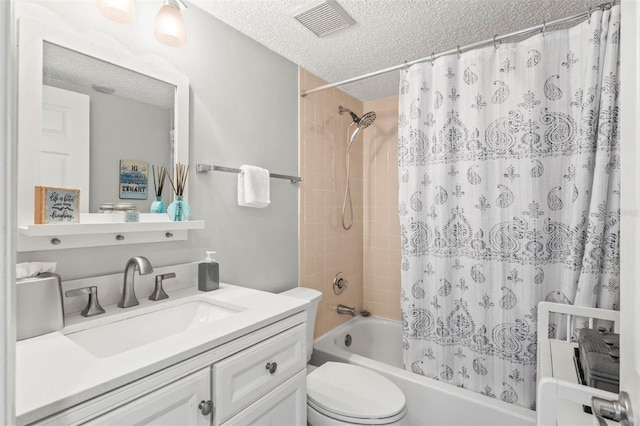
54,373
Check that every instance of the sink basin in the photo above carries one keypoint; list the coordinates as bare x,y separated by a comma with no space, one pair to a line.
126,334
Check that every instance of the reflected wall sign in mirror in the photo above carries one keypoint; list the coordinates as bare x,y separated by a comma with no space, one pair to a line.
83,108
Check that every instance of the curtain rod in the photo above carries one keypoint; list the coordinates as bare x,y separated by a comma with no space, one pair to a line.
496,39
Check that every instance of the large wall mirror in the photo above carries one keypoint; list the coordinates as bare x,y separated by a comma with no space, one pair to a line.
85,112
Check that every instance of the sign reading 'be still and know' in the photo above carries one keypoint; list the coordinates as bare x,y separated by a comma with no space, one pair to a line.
56,205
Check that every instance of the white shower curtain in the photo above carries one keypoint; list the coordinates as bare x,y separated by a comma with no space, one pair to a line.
509,195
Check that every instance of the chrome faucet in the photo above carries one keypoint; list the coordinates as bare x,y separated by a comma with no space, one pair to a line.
140,263
346,310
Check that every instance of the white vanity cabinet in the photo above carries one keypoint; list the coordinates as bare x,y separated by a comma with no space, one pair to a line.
255,379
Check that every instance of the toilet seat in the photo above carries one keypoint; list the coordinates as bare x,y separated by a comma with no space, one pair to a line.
354,394
358,420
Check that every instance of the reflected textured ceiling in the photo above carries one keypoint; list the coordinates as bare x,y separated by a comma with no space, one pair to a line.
386,33
72,67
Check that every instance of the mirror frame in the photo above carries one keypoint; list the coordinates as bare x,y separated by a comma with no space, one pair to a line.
31,38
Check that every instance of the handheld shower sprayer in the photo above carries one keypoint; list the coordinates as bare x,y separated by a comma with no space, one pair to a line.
363,122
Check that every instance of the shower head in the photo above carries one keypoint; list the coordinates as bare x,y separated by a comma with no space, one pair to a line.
363,122
366,120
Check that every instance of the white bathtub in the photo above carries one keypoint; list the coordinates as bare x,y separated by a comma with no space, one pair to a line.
376,343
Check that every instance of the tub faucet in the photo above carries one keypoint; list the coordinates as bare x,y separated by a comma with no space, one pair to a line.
346,310
140,263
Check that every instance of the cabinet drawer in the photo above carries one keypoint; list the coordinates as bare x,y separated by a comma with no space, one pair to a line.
244,377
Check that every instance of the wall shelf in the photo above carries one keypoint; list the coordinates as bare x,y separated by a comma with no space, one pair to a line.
93,232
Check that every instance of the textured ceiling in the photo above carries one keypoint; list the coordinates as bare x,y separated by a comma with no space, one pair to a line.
386,33
85,71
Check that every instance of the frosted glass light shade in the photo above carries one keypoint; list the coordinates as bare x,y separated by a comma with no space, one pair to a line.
122,11
170,28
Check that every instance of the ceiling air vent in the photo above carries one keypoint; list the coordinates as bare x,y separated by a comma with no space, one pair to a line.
322,17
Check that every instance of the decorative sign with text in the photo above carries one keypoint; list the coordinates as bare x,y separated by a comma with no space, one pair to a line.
56,205
133,179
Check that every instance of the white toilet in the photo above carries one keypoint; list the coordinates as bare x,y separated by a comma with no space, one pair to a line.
346,394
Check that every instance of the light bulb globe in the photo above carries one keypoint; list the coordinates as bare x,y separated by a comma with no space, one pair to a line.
170,27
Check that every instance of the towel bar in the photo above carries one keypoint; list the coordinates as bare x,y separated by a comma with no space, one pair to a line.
204,168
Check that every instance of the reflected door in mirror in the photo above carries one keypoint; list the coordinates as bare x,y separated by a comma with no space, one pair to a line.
64,145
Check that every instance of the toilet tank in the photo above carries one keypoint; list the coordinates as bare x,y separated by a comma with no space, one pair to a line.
313,297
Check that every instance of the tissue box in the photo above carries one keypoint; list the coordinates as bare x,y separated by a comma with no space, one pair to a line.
39,305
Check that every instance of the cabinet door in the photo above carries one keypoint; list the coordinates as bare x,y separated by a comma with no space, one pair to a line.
286,405
174,404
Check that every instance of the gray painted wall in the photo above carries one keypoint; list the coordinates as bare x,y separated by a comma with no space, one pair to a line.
244,109
122,129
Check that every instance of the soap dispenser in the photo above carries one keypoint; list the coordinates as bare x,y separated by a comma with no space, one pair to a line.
208,273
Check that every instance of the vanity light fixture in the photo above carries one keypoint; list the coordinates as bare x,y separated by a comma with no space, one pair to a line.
170,28
122,11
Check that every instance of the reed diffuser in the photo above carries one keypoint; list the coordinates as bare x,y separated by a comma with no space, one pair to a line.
158,206
179,210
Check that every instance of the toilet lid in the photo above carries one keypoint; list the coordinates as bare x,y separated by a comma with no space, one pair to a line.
353,391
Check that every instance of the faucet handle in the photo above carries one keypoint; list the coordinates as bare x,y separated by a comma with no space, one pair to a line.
158,291
93,306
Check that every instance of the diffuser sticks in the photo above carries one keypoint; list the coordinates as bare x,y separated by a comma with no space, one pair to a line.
158,179
182,172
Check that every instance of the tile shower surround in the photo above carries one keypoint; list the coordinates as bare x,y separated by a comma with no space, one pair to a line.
326,248
382,250
368,255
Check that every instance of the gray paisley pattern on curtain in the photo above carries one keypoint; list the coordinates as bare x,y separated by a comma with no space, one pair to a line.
509,195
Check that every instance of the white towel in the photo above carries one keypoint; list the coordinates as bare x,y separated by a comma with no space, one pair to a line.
253,187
